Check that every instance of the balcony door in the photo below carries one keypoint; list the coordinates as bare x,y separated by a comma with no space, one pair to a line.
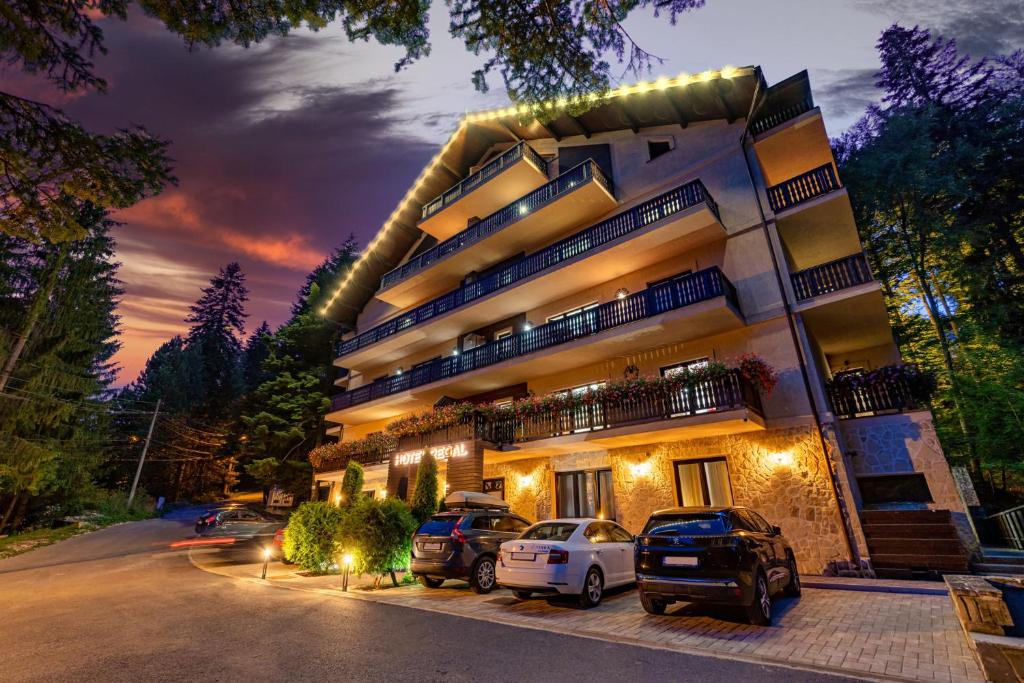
689,401
702,483
585,494
585,417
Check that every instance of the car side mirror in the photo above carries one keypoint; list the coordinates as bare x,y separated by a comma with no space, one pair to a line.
776,531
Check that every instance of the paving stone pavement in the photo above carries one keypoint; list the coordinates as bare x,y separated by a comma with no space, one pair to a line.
874,635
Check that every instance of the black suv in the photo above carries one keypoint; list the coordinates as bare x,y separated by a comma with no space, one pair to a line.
463,545
724,555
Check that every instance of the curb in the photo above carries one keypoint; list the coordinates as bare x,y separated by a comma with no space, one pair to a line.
583,633
824,582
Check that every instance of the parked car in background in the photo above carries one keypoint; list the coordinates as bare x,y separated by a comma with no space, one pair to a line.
243,526
724,555
463,545
209,517
573,556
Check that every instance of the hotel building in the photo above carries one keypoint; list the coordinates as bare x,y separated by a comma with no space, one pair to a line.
674,225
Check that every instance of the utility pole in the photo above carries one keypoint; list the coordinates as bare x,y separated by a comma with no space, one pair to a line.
145,447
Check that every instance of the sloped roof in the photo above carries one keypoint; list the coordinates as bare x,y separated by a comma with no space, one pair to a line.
684,99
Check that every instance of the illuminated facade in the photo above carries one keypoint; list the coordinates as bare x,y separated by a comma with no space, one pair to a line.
575,266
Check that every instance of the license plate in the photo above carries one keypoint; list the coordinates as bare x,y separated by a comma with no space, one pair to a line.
684,561
524,556
431,546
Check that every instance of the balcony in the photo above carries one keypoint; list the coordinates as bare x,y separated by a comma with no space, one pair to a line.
695,305
518,170
725,405
803,188
880,395
575,197
367,458
834,276
675,221
780,116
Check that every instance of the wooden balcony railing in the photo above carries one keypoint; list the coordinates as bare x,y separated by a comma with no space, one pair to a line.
848,271
730,392
664,205
488,171
802,188
771,119
562,185
882,396
368,458
726,393
677,293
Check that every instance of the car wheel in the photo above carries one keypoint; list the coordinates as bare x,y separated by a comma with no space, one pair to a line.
482,578
652,605
593,589
522,595
429,582
759,611
792,588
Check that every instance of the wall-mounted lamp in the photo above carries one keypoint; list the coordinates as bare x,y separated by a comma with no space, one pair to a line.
525,481
399,371
455,351
781,459
621,293
527,326
640,469
383,494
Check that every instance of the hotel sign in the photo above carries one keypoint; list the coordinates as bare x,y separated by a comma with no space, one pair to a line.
441,453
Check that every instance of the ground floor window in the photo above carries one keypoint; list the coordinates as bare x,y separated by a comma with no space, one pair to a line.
703,482
585,494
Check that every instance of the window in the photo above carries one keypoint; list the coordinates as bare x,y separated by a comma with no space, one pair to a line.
573,312
620,535
483,523
671,278
703,482
585,494
693,401
441,525
550,531
655,148
510,524
687,524
502,333
598,532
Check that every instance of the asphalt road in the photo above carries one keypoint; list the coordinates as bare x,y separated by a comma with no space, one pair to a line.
119,605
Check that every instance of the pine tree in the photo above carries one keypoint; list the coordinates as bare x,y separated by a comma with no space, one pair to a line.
218,322
327,274
255,353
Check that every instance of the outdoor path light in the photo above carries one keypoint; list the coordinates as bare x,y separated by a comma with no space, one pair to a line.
346,562
266,559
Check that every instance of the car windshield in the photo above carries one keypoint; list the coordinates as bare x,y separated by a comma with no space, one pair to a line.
687,524
550,531
438,526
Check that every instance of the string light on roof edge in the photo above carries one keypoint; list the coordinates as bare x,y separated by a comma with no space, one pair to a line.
661,83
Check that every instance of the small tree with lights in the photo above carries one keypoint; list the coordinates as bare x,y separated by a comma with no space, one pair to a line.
352,484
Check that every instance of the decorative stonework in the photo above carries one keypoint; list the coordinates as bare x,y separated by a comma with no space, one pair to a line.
904,443
780,473
528,486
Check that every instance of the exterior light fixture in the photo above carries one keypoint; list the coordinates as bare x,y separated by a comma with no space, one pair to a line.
621,293
525,481
346,562
399,371
383,494
527,326
455,351
266,559
781,459
640,469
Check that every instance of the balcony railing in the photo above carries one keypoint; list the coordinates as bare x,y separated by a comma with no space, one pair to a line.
677,293
668,204
877,397
562,185
368,458
725,393
488,171
848,271
780,116
802,188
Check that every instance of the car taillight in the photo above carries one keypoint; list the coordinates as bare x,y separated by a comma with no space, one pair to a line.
558,557
458,536
211,519
501,560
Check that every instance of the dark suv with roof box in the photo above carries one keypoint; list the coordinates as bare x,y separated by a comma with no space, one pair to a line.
463,545
723,555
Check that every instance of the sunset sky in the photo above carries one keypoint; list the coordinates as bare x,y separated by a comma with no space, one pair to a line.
284,149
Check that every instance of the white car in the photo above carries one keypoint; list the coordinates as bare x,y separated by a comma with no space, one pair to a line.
567,556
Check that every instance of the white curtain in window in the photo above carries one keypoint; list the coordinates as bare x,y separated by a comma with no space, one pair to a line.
689,484
717,472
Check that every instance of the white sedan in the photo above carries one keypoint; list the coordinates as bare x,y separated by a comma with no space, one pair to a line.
572,556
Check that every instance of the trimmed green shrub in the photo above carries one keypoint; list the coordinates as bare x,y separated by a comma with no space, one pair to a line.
378,534
352,484
424,496
312,537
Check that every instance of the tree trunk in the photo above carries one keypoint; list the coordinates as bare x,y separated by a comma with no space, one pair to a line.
9,511
19,515
32,317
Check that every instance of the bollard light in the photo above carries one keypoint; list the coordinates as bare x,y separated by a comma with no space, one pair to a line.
266,559
346,562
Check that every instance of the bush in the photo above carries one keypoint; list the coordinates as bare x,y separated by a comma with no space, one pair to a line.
378,534
352,484
112,506
311,540
424,496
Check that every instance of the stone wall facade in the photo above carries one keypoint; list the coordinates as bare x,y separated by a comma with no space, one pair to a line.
905,443
780,473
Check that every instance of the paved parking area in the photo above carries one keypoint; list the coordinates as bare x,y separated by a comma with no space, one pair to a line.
874,635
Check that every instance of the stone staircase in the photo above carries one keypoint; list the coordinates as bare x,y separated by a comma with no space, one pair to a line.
913,544
1000,561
